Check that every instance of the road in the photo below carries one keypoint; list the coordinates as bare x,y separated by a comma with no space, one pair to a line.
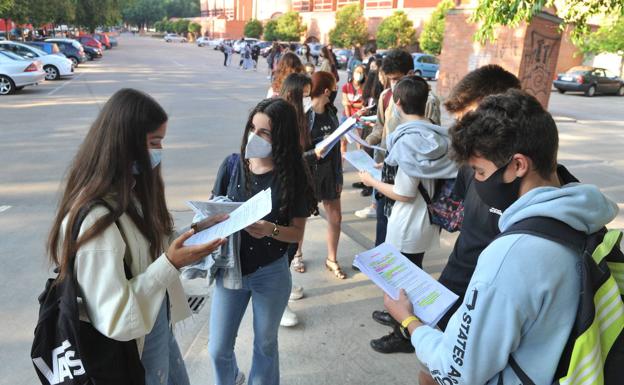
208,104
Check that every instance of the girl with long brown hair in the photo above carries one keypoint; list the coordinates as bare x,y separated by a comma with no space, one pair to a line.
118,167
289,63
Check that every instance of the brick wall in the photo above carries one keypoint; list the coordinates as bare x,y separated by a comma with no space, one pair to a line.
569,55
529,52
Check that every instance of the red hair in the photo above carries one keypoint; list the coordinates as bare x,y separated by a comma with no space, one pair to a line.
322,81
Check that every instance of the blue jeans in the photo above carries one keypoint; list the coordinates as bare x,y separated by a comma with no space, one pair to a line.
161,356
382,223
269,289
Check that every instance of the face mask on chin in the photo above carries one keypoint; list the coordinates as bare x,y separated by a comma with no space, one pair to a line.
497,193
257,147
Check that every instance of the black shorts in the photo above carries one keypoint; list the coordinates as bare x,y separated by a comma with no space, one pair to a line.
326,182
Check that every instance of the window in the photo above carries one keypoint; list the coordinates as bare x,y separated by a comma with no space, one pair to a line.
324,5
302,5
598,72
342,3
377,4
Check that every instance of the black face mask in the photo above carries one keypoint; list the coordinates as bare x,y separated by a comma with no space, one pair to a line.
497,193
332,96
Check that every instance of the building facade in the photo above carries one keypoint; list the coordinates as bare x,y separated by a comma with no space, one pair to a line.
222,18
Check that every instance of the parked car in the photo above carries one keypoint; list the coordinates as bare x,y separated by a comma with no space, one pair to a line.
589,80
113,41
103,38
54,66
173,38
343,56
47,47
92,53
17,72
238,43
206,41
425,65
72,49
89,41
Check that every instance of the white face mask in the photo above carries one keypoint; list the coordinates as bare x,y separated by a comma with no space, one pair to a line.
155,155
396,112
358,77
307,103
257,147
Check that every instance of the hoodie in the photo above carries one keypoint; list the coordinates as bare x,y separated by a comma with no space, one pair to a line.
522,298
421,149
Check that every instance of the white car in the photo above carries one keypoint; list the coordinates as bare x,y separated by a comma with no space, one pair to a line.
174,37
17,72
205,41
238,43
55,66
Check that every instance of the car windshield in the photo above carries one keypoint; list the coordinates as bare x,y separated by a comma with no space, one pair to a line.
76,44
11,55
577,70
38,51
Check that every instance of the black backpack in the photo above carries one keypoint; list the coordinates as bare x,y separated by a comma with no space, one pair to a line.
595,348
66,350
444,209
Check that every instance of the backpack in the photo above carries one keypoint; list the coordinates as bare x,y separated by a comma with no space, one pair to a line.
444,209
594,353
66,350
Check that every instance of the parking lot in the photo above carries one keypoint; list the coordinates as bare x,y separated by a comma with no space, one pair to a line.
208,104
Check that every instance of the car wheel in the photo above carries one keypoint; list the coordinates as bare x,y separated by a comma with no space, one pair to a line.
418,73
560,91
620,91
591,91
74,61
52,73
7,86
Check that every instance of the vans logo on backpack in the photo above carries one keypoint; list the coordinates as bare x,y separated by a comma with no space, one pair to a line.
63,365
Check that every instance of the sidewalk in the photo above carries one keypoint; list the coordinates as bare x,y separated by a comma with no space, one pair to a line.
331,343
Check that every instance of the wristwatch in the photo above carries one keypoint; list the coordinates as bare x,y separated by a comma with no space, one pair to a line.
275,232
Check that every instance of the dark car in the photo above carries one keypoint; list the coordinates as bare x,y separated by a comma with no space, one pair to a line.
47,47
72,49
113,41
589,80
343,56
92,53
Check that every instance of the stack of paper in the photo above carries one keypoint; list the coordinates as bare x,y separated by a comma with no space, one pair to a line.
208,209
249,212
392,271
363,162
354,137
329,142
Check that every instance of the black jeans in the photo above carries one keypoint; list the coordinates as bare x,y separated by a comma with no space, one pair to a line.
225,58
382,223
416,259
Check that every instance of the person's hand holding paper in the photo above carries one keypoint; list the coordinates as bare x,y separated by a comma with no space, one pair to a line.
180,255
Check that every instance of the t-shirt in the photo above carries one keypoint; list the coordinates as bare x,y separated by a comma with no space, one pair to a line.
255,253
409,228
354,95
324,125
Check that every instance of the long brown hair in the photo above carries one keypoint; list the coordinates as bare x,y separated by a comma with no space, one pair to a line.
292,92
103,167
289,63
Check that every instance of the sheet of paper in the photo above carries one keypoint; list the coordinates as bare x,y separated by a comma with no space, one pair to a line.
356,138
329,142
249,212
392,271
372,118
363,162
207,209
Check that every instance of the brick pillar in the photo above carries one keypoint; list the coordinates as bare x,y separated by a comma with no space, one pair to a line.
529,51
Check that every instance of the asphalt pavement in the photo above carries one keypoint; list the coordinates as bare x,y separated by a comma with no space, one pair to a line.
208,104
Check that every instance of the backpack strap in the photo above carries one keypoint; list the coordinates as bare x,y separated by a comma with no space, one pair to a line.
551,229
519,372
424,193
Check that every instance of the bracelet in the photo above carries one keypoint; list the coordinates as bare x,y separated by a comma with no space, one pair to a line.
406,322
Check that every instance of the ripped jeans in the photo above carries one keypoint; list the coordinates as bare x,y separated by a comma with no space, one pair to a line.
161,356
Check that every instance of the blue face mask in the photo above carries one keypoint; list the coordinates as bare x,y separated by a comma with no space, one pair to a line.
396,113
155,155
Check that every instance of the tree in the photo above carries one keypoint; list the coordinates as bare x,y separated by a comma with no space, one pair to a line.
396,31
5,5
270,31
181,8
609,38
290,27
350,27
576,13
195,29
93,13
143,13
432,34
181,26
253,28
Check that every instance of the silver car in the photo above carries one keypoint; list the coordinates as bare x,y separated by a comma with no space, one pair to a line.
17,72
174,37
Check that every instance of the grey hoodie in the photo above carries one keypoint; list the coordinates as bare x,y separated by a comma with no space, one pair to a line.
420,149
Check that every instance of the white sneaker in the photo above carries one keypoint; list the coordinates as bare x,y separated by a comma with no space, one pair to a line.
289,318
240,378
296,293
367,212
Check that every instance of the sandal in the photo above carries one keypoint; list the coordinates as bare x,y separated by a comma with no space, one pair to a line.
297,264
334,267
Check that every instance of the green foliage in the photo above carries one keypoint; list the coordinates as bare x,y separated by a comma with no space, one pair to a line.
181,26
432,34
609,38
94,13
290,27
253,29
143,13
350,27
396,31
576,13
194,28
5,5
181,8
270,31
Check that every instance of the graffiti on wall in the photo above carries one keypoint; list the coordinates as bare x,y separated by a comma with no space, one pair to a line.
537,64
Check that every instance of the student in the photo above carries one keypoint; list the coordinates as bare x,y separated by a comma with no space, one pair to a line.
309,69
328,63
270,157
296,90
352,100
119,163
522,299
418,149
328,169
289,63
306,57
273,59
